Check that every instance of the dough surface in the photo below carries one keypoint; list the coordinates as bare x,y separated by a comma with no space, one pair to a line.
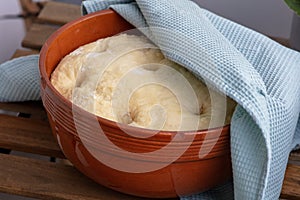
125,78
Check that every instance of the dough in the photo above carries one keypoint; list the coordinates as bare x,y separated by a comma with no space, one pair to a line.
125,78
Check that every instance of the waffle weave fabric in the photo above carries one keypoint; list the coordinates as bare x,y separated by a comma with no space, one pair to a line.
20,79
258,73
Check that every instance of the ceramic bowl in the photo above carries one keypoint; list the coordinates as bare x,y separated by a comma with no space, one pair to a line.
157,164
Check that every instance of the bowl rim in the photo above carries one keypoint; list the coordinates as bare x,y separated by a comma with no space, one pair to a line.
46,83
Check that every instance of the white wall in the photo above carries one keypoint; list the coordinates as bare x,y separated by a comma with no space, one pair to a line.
12,31
271,17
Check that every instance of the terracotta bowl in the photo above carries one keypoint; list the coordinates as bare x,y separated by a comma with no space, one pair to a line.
156,165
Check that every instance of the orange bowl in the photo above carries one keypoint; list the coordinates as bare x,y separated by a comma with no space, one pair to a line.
159,164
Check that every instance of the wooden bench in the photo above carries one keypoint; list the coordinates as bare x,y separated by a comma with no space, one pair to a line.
24,128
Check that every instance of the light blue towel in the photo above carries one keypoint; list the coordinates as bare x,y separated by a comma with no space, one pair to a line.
258,73
20,79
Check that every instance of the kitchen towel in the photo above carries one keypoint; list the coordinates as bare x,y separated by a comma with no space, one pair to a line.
20,79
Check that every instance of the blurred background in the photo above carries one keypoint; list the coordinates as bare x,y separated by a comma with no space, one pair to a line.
13,30
270,17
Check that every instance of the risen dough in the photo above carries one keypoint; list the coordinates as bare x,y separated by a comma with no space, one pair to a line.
125,78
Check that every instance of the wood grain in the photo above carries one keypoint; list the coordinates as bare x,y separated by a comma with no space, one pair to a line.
282,41
33,108
59,13
53,181
31,9
37,35
295,158
20,52
28,135
291,184
29,6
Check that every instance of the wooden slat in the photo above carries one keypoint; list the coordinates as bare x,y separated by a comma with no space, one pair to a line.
32,8
58,181
37,35
295,159
291,184
28,135
53,181
59,13
34,108
283,41
20,52
29,6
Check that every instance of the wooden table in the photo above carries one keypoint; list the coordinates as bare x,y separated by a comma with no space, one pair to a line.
25,128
